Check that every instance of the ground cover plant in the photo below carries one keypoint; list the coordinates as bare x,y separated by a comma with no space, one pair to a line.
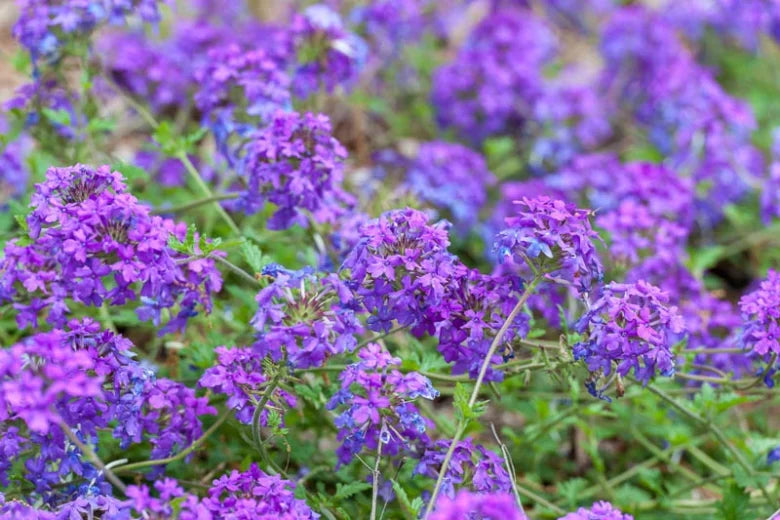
390,259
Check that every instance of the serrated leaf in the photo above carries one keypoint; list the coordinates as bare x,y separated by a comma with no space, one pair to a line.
351,489
461,402
253,256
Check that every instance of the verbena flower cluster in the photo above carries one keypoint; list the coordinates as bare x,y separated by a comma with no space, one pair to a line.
91,242
632,327
376,399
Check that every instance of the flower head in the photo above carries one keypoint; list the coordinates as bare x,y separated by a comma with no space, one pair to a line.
632,326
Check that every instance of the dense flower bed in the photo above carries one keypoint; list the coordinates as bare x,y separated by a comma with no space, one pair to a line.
438,260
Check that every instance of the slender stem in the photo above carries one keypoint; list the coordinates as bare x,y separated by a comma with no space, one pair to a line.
194,204
463,422
192,447
185,160
259,411
375,486
236,270
761,376
500,336
444,465
93,457
181,155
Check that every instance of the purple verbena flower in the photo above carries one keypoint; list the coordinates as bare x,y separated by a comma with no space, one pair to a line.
553,238
377,399
630,326
92,242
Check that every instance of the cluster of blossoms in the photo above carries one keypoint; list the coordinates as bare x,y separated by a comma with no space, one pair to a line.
400,268
688,117
744,21
761,312
90,241
236,83
554,238
466,321
296,164
84,379
481,467
240,376
451,177
304,320
376,398
493,82
238,494
600,511
632,326
44,27
328,54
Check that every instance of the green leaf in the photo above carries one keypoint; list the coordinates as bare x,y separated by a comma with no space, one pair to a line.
734,505
353,488
131,172
99,125
60,117
253,256
413,507
461,402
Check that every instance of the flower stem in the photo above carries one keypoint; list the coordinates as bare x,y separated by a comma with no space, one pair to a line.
93,457
192,447
375,476
463,422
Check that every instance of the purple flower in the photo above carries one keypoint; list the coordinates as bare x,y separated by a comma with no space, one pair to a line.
253,494
400,268
296,164
496,77
328,55
92,242
760,314
631,326
44,27
377,400
552,238
239,87
599,511
467,319
304,320
481,467
239,375
472,506
452,177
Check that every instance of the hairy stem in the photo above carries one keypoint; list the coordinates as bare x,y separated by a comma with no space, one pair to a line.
93,458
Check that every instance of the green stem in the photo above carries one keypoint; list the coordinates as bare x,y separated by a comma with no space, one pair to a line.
93,458
185,160
182,454
712,428
236,270
258,413
463,421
